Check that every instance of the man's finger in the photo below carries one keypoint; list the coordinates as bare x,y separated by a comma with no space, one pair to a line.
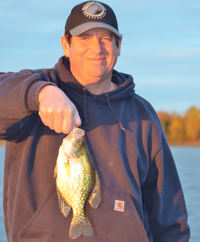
70,123
67,124
77,119
58,122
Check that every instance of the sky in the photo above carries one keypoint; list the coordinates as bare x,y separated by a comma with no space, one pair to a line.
160,46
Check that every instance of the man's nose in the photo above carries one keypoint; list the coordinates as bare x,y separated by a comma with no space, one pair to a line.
96,45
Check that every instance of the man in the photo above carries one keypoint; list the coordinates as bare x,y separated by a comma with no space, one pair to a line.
142,199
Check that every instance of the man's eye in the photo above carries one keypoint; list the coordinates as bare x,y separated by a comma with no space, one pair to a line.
106,39
84,38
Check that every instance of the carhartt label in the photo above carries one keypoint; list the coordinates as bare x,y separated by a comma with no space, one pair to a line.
119,206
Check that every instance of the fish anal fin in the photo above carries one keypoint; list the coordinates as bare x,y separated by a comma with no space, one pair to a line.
80,226
64,207
95,197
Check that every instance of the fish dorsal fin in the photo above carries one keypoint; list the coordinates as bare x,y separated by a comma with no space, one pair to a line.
64,207
95,197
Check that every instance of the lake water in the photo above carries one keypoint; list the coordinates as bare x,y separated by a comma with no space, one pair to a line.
188,165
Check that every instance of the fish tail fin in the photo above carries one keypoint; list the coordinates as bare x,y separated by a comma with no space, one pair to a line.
80,226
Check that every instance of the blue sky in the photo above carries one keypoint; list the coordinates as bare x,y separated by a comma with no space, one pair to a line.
160,47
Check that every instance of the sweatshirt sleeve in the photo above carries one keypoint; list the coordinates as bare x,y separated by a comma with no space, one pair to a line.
19,96
164,200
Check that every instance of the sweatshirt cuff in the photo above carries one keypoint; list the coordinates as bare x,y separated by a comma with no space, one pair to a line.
32,98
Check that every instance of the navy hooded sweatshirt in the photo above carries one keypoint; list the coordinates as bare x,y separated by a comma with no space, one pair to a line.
142,198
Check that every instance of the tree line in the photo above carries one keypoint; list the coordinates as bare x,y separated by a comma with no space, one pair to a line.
181,129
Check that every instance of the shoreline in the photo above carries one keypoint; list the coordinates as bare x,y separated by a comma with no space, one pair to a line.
185,143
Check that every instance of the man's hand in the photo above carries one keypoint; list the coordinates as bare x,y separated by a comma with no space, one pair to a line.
57,111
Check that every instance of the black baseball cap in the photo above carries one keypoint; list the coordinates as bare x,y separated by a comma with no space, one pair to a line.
91,14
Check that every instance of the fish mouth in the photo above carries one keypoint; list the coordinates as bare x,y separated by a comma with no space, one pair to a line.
78,133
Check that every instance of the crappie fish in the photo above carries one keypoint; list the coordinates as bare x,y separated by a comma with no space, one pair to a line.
77,182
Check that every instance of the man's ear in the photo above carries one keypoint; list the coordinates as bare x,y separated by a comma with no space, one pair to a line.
119,46
65,45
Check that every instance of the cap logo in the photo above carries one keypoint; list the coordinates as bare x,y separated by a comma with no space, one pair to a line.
94,10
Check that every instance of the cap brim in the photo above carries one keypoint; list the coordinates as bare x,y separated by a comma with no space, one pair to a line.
90,25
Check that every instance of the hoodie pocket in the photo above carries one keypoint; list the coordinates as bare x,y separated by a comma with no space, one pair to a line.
115,220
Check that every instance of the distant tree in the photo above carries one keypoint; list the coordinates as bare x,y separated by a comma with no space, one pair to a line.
181,128
165,119
176,128
192,124
2,142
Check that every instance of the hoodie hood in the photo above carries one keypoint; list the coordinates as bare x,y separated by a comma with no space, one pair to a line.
123,81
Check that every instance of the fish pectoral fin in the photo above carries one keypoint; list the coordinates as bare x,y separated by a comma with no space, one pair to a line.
95,197
79,226
64,207
55,171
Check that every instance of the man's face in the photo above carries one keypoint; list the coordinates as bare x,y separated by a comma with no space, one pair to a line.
92,55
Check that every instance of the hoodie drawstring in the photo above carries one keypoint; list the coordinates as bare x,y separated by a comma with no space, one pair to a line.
120,124
85,110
